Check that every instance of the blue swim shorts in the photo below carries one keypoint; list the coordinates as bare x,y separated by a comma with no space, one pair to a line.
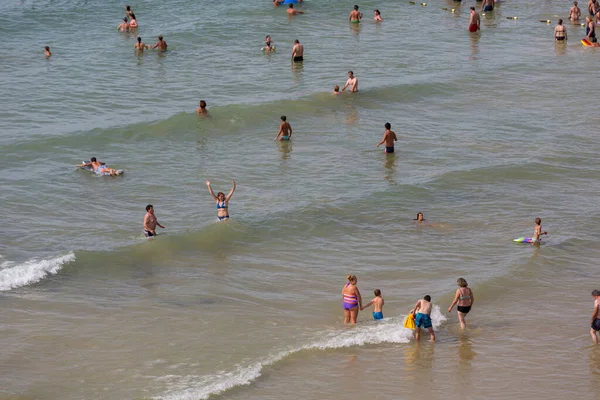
423,321
377,315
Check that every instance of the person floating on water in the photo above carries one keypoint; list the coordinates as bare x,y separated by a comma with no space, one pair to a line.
378,305
422,311
537,232
419,217
595,321
463,299
100,167
352,82
139,46
336,90
487,5
150,222
285,130
377,16
351,300
201,110
47,51
292,11
297,51
560,31
574,12
389,137
161,44
123,26
222,201
355,16
474,21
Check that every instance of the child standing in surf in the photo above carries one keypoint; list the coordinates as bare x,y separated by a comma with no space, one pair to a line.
423,317
378,305
537,232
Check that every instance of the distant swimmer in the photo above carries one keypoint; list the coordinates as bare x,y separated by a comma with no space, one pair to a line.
377,16
574,12
292,11
276,3
355,16
336,89
595,321
463,299
133,23
150,222
269,45
378,305
352,82
537,231
99,167
474,20
140,46
201,110
422,311
285,130
389,137
222,201
351,300
487,5
560,31
297,51
128,11
47,51
161,44
123,26
420,217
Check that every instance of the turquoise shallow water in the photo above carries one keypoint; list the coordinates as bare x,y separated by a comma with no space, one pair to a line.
494,130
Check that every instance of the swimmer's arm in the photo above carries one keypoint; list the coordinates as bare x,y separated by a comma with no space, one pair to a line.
212,193
230,192
87,164
279,133
346,85
367,306
158,223
382,140
454,301
290,135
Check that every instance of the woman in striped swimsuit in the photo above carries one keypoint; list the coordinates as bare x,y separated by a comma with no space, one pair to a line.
351,300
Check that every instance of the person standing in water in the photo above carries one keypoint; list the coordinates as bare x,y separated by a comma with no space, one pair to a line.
355,16
201,110
377,16
474,21
352,82
487,5
47,51
123,26
595,321
292,11
222,201
139,46
537,232
161,44
590,30
574,12
285,130
297,51
419,217
560,31
389,137
463,299
133,23
378,302
351,300
150,222
422,310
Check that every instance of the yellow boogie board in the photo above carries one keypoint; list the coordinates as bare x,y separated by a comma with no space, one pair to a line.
586,42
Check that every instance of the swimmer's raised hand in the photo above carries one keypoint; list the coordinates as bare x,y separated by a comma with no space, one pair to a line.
207,183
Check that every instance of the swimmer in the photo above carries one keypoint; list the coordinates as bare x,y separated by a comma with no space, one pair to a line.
297,51
99,167
463,299
222,201
123,26
595,321
574,12
378,302
269,45
276,3
285,130
133,23
377,16
150,222
201,110
292,11
487,5
352,82
47,51
161,44
139,46
355,16
419,217
537,232
351,300
336,90
128,11
422,310
474,20
560,31
389,137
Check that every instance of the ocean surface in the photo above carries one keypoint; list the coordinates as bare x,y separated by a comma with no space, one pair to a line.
494,130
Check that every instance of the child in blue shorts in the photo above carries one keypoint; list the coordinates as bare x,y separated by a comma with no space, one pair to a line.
378,302
423,317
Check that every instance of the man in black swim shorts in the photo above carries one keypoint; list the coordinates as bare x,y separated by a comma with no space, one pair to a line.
297,51
595,321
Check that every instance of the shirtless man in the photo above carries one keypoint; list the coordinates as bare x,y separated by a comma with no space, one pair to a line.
474,21
389,137
574,12
47,51
292,11
161,44
560,31
139,46
487,5
150,222
99,167
352,82
355,16
297,51
595,321
123,26
285,130
201,110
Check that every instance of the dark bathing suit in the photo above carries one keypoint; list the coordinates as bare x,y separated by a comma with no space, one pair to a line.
298,59
148,233
389,149
596,324
488,8
463,309
592,36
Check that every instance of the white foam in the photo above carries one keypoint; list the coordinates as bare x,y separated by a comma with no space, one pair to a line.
389,330
14,275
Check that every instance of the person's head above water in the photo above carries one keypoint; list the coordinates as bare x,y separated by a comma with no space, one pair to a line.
336,88
296,41
356,8
124,19
377,292
560,21
462,282
596,292
93,159
291,6
160,38
350,74
376,12
128,8
221,196
427,298
388,125
574,3
419,217
538,221
47,48
472,8
202,104
139,39
283,118
149,207
352,279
